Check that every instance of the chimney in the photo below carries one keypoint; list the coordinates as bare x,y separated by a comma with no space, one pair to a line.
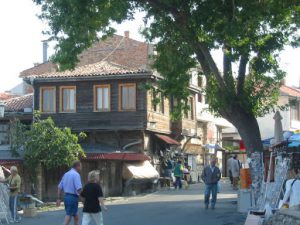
45,51
126,34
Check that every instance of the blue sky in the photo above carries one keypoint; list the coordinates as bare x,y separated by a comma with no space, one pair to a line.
21,36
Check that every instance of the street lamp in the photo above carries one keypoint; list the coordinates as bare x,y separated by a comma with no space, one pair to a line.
2,106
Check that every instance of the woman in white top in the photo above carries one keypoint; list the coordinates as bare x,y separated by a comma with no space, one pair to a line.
292,192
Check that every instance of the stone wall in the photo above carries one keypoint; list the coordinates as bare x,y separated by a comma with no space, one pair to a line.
285,217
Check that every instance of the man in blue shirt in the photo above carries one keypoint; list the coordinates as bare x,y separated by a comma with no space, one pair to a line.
71,185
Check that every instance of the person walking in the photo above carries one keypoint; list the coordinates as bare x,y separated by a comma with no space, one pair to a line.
292,192
93,202
178,174
71,186
211,175
235,170
229,162
14,182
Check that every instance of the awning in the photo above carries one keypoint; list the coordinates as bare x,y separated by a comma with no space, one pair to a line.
117,156
167,139
140,171
10,162
193,149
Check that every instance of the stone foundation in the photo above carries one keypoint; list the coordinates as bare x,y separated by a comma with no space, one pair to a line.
285,217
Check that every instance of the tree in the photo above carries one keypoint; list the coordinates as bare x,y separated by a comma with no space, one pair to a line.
251,35
45,144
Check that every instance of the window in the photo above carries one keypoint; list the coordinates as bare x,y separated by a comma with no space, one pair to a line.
162,104
200,97
190,113
127,97
200,81
47,99
68,99
4,134
102,98
295,110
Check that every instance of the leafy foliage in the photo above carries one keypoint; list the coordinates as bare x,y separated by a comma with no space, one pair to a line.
250,33
47,144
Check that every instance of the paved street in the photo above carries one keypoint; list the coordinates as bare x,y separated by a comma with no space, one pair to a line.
184,207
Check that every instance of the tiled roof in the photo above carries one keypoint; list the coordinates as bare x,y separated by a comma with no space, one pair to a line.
46,67
117,49
96,69
6,95
291,91
18,104
117,156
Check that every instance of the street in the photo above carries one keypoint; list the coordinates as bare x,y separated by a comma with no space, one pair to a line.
174,207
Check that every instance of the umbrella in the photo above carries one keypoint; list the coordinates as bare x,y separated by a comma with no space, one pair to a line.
295,137
278,131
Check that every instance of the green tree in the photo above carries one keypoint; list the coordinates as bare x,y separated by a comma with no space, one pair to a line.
45,144
251,34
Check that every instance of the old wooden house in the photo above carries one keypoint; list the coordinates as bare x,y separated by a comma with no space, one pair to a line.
104,96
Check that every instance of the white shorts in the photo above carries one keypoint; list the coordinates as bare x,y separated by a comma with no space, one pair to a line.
97,218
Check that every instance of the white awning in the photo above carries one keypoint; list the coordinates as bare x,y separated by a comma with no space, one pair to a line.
139,171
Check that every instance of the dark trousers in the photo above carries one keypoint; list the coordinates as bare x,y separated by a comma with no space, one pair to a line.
213,190
178,183
230,177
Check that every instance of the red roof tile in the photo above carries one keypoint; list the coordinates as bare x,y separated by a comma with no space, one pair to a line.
117,156
6,95
290,91
18,104
96,69
117,49
167,139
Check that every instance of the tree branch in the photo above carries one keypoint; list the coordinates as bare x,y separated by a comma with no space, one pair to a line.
242,73
227,68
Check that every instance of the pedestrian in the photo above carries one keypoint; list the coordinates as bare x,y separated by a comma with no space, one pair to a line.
178,174
229,161
235,170
211,175
93,202
71,186
292,192
14,185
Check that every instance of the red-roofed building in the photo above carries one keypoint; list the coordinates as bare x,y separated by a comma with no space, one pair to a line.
105,98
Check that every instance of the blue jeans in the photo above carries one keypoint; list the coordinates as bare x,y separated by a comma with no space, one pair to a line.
213,190
13,207
178,183
71,204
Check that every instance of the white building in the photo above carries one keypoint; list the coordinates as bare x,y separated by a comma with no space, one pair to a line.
290,116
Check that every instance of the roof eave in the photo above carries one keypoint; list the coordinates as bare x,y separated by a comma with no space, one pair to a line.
92,77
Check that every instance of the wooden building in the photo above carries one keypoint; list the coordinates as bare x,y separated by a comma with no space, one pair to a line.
104,96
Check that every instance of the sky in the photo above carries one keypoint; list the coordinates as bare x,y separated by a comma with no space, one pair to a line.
21,46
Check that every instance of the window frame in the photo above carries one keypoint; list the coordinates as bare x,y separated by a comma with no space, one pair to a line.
41,102
120,96
96,97
61,88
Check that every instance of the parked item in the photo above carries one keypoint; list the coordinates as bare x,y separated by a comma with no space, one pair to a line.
211,176
71,185
14,185
93,202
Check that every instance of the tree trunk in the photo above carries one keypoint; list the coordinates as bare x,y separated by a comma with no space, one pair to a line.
248,129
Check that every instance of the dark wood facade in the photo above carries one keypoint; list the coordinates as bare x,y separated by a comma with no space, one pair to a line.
85,118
